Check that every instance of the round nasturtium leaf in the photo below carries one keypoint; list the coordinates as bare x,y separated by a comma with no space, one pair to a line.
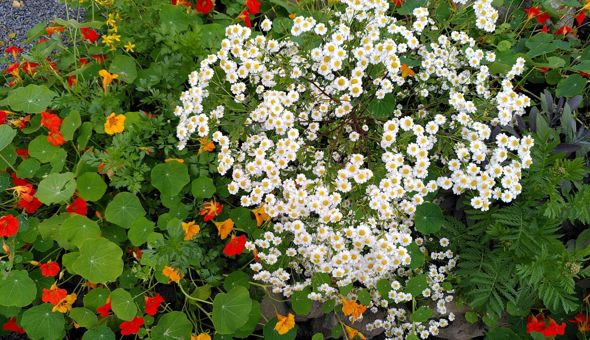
571,86
100,261
28,168
123,305
31,98
17,289
243,219
96,298
203,187
70,124
42,150
124,209
91,186
139,231
169,178
300,303
56,188
173,325
416,285
99,333
41,323
124,66
428,218
6,135
421,314
231,310
75,230
84,317
235,279
254,316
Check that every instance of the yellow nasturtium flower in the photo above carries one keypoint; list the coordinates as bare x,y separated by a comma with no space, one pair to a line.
190,230
65,305
351,307
114,124
107,78
284,323
261,215
202,336
352,333
224,228
172,273
206,145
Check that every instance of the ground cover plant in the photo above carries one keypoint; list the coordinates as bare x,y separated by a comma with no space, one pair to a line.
316,169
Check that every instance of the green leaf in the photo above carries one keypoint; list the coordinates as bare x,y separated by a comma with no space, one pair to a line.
417,256
243,219
75,230
174,18
28,168
123,305
169,178
384,287
364,297
56,188
84,317
41,149
17,288
31,98
203,187
382,108
571,86
41,323
300,303
6,135
540,44
100,332
84,135
583,66
173,325
70,124
421,314
428,218
8,157
471,317
236,279
125,67
231,310
100,261
96,298
416,285
139,231
91,186
124,209
250,326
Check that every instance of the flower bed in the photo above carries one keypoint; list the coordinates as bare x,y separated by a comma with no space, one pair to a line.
272,169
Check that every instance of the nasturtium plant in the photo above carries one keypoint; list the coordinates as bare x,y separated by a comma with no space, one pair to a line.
231,310
99,261
56,188
124,209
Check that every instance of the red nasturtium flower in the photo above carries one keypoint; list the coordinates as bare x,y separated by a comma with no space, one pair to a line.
580,17
24,153
105,309
564,30
542,18
78,206
48,269
8,226
29,67
131,327
245,15
532,12
204,6
50,30
210,210
50,120
11,326
235,246
537,324
56,138
53,295
83,61
14,50
100,58
152,304
582,321
72,80
3,116
398,3
89,34
181,2
253,6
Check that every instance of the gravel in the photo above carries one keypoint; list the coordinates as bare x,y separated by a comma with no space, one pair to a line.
15,22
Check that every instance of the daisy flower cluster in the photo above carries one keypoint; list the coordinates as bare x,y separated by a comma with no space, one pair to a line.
340,131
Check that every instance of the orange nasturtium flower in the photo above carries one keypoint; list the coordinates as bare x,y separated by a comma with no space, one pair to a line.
284,323
190,230
224,228
206,145
261,215
407,71
210,210
351,332
65,305
53,295
202,336
172,273
351,307
179,160
114,124
107,78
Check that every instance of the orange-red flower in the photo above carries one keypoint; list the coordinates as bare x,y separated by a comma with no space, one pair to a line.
253,6
89,34
8,225
352,308
49,269
245,15
204,6
398,3
50,30
173,274
131,327
50,120
55,138
72,80
235,246
3,116
53,295
582,321
14,50
11,326
536,323
564,30
29,67
105,309
181,2
78,206
532,12
210,210
152,304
